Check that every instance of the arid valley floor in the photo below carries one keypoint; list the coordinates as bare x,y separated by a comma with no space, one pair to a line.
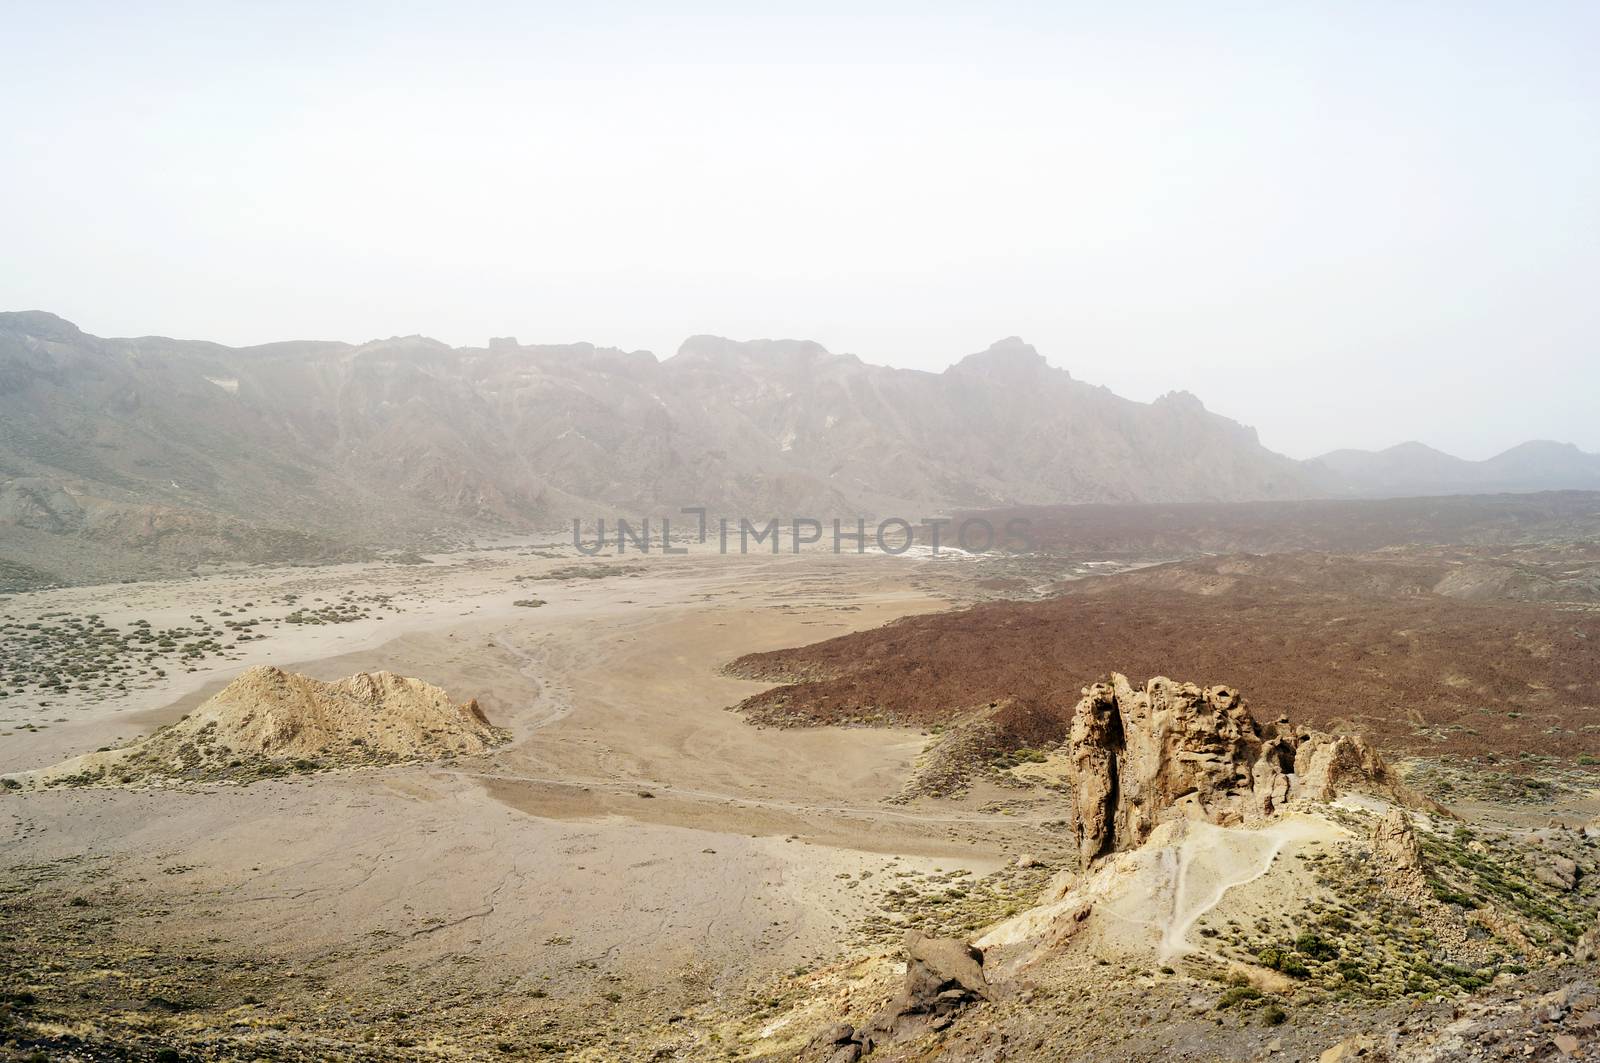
608,869
641,873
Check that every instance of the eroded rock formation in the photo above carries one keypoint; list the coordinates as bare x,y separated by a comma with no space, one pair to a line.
1395,843
1140,756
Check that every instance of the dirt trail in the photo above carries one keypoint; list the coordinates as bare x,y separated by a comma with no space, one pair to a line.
536,667
1213,860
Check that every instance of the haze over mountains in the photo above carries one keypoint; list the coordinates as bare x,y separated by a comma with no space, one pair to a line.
117,451
1416,469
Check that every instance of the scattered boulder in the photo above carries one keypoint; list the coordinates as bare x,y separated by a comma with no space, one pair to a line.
1587,950
1558,872
935,966
1351,1048
838,1043
943,977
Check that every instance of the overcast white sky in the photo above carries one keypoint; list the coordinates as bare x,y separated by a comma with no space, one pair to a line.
1346,224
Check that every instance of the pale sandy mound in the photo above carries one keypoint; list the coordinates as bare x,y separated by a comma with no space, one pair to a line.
269,722
1147,900
275,713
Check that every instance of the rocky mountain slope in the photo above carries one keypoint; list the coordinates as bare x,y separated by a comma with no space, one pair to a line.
148,456
514,432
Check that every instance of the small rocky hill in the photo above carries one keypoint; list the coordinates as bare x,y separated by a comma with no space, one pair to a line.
269,722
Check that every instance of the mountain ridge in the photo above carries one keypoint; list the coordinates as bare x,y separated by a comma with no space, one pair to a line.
1414,467
185,452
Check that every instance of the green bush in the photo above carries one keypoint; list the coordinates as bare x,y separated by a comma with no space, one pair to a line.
1239,994
1312,945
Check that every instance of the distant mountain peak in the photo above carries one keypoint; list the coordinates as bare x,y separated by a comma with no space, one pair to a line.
1181,400
1542,446
1009,357
1413,446
40,323
1418,469
724,352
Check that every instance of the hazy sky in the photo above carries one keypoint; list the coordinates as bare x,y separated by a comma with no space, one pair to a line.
1346,224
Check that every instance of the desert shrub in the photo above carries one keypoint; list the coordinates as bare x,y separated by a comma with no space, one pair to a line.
1283,959
1446,895
1239,994
1312,945
1353,972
